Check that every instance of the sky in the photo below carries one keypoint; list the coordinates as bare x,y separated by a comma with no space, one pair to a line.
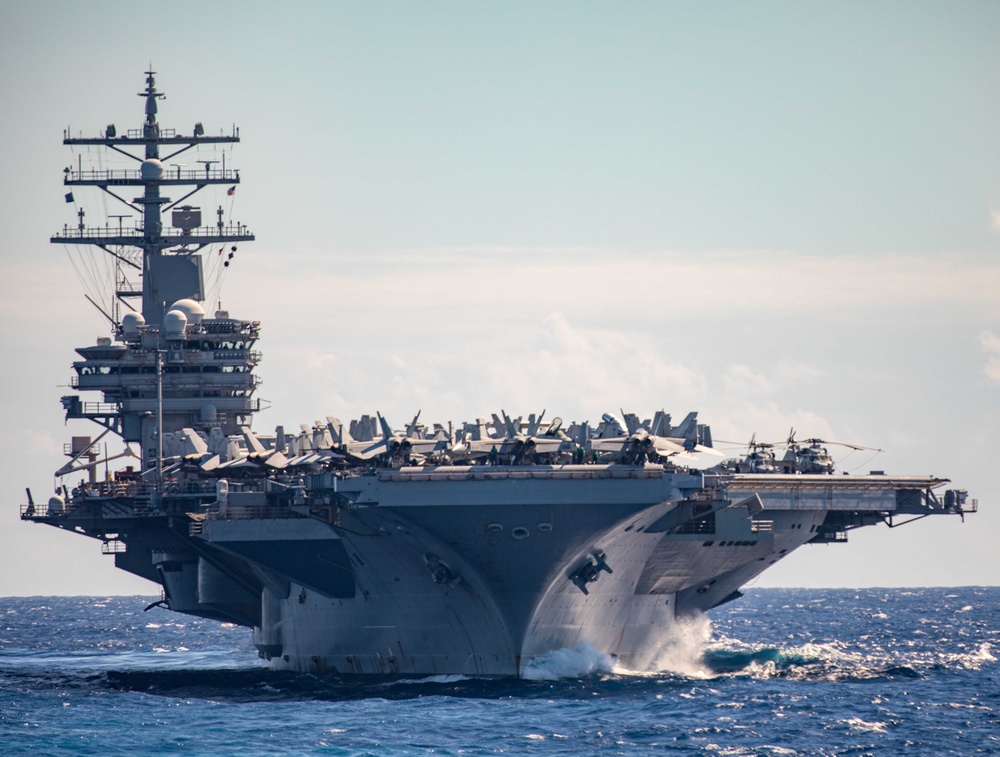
779,214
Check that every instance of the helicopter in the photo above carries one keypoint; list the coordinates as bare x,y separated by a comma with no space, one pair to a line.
806,456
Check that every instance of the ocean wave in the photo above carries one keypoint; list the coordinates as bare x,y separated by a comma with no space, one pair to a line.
834,662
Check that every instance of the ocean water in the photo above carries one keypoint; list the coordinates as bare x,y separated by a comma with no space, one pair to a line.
779,672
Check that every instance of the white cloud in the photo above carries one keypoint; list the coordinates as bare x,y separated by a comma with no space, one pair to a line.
901,440
769,421
739,379
577,331
431,288
43,444
796,371
991,346
567,339
321,360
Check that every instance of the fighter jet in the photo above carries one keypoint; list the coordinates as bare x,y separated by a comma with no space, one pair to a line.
638,445
512,445
393,445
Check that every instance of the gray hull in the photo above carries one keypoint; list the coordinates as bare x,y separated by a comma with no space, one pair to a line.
412,575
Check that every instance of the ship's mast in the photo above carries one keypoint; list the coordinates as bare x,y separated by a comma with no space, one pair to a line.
172,368
165,278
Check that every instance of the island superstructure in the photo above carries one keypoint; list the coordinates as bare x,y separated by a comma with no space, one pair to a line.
360,548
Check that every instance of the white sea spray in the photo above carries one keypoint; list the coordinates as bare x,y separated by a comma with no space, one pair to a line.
682,649
582,660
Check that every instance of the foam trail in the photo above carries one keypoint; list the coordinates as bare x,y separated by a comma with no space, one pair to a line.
582,660
449,678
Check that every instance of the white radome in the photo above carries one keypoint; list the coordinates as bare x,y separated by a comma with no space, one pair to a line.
131,323
175,324
151,170
192,310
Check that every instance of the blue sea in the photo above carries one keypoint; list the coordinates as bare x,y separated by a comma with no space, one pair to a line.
779,672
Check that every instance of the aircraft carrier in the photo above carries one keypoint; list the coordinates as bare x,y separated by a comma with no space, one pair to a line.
359,548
